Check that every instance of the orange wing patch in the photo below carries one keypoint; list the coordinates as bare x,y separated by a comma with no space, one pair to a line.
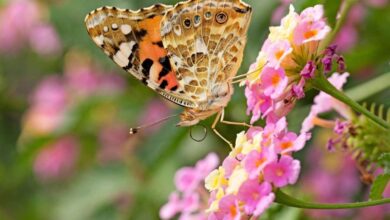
153,55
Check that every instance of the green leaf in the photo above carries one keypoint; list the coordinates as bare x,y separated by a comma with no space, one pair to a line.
331,9
384,162
379,186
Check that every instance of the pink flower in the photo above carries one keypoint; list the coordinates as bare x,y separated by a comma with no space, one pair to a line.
311,26
205,166
255,161
278,13
324,102
298,89
190,202
307,31
347,37
173,207
253,131
290,142
309,122
49,102
278,79
229,164
50,93
190,197
155,110
228,208
255,196
282,172
257,102
274,81
56,160
308,70
44,40
112,139
277,51
17,19
186,179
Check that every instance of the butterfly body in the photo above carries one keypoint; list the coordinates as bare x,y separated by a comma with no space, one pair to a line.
188,53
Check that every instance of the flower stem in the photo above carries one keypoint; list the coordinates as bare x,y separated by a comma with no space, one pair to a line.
321,83
285,199
343,16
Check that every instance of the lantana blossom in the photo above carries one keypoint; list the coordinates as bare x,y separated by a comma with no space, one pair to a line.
256,166
288,58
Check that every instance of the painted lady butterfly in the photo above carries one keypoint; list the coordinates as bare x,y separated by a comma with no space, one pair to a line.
188,53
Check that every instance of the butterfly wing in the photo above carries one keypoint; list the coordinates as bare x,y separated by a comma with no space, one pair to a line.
205,40
132,40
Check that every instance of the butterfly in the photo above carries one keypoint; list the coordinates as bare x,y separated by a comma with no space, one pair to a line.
189,53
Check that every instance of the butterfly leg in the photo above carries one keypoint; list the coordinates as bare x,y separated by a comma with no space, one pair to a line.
217,118
232,122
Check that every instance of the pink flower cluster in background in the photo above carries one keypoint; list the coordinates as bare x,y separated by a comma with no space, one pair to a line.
49,112
333,179
56,160
55,95
284,63
190,199
22,23
260,162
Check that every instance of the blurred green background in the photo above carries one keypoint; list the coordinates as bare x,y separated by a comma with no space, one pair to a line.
65,111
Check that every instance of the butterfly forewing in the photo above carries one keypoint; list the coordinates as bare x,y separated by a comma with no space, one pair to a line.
188,53
132,40
205,40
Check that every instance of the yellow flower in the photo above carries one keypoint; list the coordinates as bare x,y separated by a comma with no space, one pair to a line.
256,68
240,141
214,206
215,179
286,29
253,144
238,176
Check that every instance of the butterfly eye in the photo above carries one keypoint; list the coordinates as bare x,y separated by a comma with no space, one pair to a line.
196,19
221,17
187,23
207,15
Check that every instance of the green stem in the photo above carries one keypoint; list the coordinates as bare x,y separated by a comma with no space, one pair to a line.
343,16
285,199
321,83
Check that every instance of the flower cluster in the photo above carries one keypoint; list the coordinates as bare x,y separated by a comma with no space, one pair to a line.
190,198
288,58
261,161
22,22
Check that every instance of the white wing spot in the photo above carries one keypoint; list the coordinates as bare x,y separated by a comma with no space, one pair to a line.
126,29
105,29
200,46
177,30
114,26
99,40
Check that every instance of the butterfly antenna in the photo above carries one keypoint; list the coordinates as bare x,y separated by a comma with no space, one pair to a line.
136,129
